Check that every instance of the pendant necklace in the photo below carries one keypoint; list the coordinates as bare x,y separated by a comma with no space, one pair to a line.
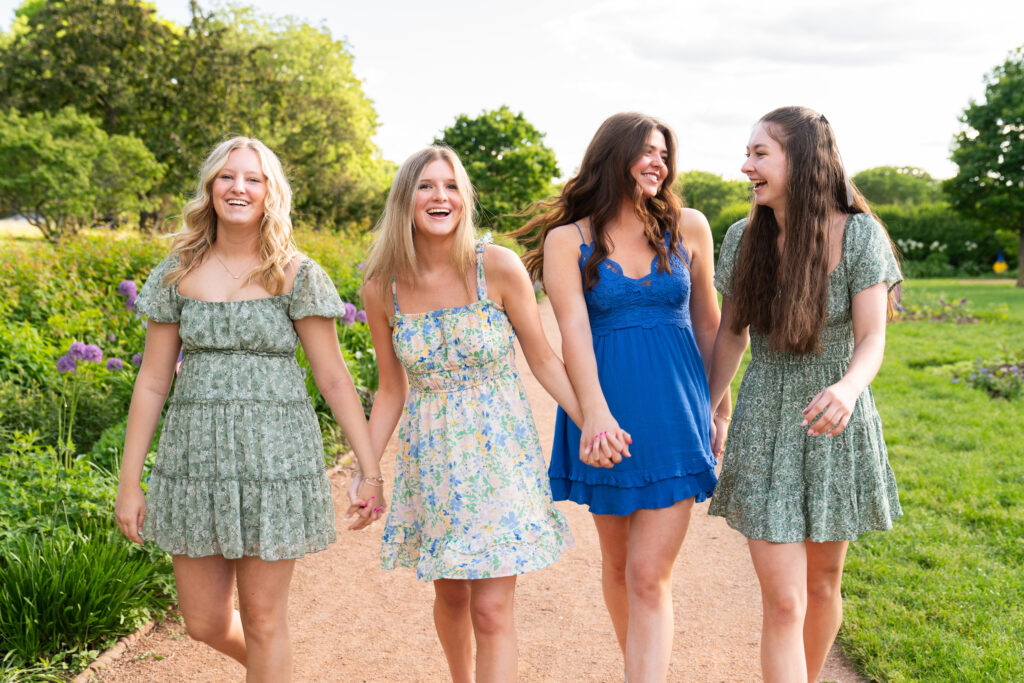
226,265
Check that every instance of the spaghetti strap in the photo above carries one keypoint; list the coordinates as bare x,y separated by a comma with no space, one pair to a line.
583,240
394,294
481,281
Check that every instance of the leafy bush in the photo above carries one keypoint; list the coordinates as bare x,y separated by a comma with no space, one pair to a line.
935,228
911,306
1002,375
729,214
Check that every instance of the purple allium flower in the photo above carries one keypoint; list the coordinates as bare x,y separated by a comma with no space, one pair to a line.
93,353
361,316
67,363
181,355
956,380
112,337
127,288
137,360
77,350
349,316
129,303
361,266
115,364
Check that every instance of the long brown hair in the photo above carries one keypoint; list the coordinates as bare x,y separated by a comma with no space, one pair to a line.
784,294
597,190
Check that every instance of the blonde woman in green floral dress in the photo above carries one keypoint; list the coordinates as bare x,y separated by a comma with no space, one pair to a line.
805,468
238,490
471,507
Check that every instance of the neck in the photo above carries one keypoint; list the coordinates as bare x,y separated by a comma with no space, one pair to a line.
626,218
237,241
433,251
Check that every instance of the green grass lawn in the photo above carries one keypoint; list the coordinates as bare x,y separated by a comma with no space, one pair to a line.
941,597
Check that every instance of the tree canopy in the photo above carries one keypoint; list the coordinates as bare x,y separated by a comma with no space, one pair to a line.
710,193
507,160
989,151
903,185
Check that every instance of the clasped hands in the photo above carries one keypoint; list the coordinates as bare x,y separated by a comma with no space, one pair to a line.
603,443
367,502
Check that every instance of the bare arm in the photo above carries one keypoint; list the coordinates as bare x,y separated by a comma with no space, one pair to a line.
511,288
725,361
393,384
319,339
836,402
564,285
151,388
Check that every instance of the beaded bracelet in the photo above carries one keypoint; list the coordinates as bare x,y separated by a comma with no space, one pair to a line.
374,481
724,417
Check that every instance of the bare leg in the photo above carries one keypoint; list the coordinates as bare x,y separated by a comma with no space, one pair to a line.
454,626
655,537
206,590
824,601
263,602
782,570
613,533
491,606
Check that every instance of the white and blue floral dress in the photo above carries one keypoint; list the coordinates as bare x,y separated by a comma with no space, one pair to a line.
471,497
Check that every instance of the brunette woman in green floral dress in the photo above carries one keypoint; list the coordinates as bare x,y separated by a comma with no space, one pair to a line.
805,468
238,490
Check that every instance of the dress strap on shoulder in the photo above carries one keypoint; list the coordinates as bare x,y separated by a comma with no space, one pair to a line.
394,294
583,240
481,281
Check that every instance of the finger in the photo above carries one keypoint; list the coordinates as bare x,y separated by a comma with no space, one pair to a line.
629,440
815,400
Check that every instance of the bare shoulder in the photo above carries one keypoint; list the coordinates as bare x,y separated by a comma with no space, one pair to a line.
694,225
568,237
501,261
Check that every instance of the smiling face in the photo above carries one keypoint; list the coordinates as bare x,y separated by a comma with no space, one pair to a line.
651,167
438,205
767,168
239,189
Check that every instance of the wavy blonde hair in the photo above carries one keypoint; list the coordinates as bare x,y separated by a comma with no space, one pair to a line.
393,253
199,220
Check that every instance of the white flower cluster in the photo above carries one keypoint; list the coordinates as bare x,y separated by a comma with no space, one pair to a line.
937,246
969,245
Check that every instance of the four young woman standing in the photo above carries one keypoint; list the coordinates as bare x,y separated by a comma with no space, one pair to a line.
239,495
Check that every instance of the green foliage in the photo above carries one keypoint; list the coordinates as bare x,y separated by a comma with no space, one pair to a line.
507,161
710,193
62,170
902,185
1001,375
915,306
729,214
990,153
925,229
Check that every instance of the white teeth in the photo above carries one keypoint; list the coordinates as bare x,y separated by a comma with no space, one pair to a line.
237,202
438,212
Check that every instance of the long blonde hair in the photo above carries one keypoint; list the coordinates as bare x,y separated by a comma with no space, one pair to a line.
199,220
393,253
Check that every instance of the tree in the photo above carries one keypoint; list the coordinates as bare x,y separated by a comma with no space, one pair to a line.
903,185
59,169
710,193
989,151
507,160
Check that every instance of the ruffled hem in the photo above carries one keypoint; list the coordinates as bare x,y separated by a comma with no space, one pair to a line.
610,499
272,520
687,464
529,547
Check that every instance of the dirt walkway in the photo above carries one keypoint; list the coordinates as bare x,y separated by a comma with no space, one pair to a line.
351,621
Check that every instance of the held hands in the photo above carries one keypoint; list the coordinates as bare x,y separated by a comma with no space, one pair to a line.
830,411
367,502
603,443
129,511
719,434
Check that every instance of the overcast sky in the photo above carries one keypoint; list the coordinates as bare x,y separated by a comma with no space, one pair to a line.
892,76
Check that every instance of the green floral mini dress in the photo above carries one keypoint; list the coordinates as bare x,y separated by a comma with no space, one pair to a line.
778,483
240,468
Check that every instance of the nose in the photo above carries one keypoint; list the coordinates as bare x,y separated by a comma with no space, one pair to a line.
238,185
747,167
440,193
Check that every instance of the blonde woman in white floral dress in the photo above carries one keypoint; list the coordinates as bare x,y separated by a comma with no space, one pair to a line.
471,507
238,489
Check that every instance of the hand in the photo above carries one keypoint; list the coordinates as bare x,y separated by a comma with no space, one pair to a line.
367,503
130,511
830,411
719,435
603,443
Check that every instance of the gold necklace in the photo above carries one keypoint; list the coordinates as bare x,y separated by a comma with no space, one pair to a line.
226,265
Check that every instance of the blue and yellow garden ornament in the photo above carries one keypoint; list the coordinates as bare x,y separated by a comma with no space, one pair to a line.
1000,265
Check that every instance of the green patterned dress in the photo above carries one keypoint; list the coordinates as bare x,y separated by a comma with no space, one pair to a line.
778,483
471,497
240,468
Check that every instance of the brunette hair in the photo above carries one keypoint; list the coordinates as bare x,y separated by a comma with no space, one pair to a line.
784,294
597,190
199,220
393,253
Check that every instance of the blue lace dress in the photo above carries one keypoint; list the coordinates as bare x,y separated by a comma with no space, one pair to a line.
653,379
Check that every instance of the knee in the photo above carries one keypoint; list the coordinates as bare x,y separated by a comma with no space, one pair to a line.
613,569
452,598
648,585
824,588
784,607
208,628
263,622
492,615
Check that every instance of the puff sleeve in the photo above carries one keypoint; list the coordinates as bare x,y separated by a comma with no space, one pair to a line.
870,259
727,256
158,302
313,294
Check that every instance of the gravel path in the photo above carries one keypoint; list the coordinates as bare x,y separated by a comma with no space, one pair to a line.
351,621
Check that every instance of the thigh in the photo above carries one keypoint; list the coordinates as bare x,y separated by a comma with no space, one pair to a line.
655,536
495,590
452,591
825,561
263,585
206,585
613,535
781,568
